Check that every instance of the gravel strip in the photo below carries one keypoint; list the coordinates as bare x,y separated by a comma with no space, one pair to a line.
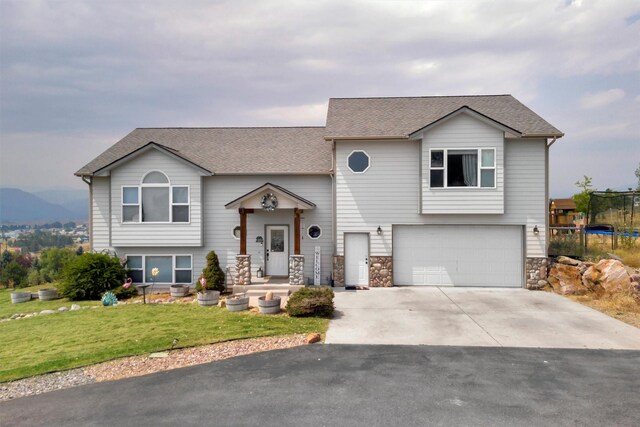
142,365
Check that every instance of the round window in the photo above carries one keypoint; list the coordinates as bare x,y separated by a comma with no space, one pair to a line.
358,161
314,231
236,232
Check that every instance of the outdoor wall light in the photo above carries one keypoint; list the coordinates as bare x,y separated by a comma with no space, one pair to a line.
259,240
379,231
535,230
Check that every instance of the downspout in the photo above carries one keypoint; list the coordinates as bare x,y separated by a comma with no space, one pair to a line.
333,198
552,141
88,181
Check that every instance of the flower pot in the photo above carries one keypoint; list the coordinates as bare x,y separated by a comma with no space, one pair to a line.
269,307
178,291
47,294
18,297
208,298
237,304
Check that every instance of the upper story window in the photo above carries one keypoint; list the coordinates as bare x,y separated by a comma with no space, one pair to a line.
155,200
462,168
358,161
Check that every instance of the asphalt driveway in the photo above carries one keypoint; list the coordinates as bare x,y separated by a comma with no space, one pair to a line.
344,385
473,317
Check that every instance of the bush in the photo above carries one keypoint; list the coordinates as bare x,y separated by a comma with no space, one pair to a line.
14,274
213,273
35,278
125,293
311,302
90,275
52,262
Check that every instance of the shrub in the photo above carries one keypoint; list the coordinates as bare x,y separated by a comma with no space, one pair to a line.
213,273
311,302
52,262
14,273
125,293
35,278
90,275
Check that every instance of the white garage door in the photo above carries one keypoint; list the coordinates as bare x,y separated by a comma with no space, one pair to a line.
460,255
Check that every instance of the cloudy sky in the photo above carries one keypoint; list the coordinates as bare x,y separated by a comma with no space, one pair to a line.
76,76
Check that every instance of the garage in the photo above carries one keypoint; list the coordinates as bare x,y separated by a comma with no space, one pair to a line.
458,255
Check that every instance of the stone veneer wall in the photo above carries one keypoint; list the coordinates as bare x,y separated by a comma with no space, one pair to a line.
296,270
242,274
338,270
380,271
536,272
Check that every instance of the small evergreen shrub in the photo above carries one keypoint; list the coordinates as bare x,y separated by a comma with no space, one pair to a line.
125,293
213,273
311,302
90,275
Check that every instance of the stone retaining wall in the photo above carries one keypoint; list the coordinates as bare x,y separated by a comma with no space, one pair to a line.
380,271
536,272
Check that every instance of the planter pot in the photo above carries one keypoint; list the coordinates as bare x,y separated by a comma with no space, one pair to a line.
47,294
237,304
18,297
178,291
269,307
208,298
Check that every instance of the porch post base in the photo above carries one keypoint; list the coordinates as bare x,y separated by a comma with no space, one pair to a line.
338,270
242,274
296,270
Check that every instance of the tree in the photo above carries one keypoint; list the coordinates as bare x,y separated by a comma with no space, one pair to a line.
53,261
213,273
582,199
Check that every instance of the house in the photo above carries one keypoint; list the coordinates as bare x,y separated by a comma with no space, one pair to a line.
445,190
562,212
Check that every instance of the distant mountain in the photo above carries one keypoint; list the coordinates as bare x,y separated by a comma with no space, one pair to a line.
20,207
77,201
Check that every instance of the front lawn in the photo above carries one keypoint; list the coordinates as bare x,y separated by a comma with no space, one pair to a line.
72,339
7,308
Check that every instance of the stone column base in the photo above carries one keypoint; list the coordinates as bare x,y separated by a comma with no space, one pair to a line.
536,273
380,271
296,270
338,270
242,274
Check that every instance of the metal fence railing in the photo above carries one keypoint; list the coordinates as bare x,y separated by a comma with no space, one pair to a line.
591,239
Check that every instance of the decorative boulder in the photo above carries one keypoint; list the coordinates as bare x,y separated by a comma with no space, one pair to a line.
568,261
610,275
566,280
313,338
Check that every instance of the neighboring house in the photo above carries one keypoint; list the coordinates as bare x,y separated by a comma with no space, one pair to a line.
562,212
405,191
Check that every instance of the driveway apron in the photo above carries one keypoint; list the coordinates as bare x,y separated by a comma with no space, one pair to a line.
473,317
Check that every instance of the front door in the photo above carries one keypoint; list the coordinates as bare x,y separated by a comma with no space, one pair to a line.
277,251
356,259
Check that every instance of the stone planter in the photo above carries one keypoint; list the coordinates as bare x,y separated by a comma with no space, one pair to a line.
237,303
47,294
179,291
269,307
18,297
208,298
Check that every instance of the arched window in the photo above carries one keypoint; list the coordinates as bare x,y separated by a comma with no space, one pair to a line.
155,200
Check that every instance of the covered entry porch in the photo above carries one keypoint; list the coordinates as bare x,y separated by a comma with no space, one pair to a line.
269,236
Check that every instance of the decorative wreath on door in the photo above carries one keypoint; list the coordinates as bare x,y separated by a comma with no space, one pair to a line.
269,202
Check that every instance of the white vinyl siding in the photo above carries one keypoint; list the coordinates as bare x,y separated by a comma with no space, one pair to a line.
219,221
389,193
99,214
463,132
130,174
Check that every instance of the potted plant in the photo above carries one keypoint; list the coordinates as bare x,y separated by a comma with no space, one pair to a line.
206,296
18,297
269,304
237,302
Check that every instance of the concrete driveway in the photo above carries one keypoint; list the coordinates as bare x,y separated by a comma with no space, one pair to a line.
474,317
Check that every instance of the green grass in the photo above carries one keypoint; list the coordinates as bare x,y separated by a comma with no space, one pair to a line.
7,309
72,339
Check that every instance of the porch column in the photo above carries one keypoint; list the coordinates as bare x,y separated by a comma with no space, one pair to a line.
296,231
243,231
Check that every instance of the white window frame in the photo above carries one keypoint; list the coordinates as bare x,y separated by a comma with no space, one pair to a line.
137,269
319,228
173,266
140,188
444,168
368,162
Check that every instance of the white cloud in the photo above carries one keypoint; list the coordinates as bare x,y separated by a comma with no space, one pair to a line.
295,115
601,99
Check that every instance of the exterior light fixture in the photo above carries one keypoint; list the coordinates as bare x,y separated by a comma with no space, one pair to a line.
259,240
535,230
379,231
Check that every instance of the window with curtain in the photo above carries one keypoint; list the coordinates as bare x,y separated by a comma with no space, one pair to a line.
462,168
155,200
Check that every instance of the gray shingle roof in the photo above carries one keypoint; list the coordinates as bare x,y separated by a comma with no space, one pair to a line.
399,117
231,150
